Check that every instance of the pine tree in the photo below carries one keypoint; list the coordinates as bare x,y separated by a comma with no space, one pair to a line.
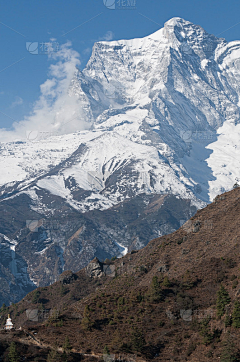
166,282
86,321
204,330
229,352
222,300
54,317
236,315
228,321
53,356
106,350
67,346
187,280
12,355
138,341
155,291
35,297
117,340
3,308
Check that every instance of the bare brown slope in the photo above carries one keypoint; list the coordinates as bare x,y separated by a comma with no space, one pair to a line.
161,303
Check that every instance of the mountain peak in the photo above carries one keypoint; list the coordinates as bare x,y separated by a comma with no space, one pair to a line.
176,21
180,30
183,28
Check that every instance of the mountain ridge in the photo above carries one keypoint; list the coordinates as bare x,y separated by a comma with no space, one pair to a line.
161,302
163,119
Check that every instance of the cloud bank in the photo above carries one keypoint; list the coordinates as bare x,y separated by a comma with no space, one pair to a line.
56,111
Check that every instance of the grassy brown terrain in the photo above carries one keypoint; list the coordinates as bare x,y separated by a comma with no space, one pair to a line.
174,300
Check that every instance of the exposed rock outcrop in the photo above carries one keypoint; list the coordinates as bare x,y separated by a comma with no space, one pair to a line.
94,269
67,277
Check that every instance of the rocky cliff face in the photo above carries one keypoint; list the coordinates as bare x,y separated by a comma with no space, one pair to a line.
14,277
45,247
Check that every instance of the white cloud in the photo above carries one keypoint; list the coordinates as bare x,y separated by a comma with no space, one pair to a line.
56,111
108,36
18,101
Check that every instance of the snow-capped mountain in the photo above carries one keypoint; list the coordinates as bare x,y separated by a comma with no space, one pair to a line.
163,116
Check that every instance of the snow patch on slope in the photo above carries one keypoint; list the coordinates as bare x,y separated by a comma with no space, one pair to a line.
55,185
224,160
122,249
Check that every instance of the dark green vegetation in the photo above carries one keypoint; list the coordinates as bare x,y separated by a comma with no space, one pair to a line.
169,301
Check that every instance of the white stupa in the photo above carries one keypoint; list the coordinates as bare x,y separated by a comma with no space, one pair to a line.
9,324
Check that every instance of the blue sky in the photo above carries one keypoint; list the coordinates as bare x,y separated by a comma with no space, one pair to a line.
82,22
